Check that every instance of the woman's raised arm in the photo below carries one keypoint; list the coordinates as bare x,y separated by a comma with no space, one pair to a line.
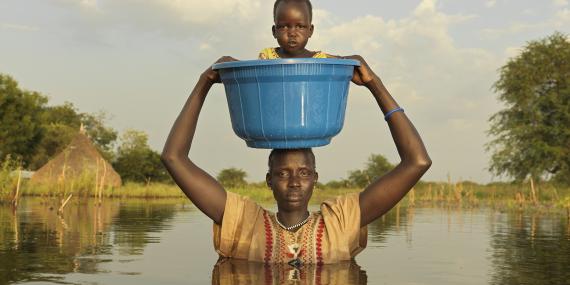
384,193
201,188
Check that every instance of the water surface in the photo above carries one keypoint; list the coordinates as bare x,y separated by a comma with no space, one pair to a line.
169,242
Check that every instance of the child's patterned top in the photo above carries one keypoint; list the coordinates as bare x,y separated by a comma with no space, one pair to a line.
271,53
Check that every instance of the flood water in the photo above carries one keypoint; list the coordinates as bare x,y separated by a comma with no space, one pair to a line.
170,242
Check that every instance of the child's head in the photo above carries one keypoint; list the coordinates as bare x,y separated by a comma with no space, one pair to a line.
293,26
292,177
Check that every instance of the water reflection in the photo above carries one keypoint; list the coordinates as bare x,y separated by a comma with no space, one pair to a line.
36,244
531,249
157,241
234,272
394,222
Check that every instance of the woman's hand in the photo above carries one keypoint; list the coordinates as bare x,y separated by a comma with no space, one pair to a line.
213,76
363,75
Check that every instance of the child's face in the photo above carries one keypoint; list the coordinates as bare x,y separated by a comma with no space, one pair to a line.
292,178
292,28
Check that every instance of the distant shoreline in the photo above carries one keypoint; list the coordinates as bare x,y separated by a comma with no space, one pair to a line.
504,196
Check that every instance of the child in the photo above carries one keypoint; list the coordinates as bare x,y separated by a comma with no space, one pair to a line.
293,28
293,235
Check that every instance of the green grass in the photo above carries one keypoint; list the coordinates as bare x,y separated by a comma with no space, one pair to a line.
465,194
496,195
8,181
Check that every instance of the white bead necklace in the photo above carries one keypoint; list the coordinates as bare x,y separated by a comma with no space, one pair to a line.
299,224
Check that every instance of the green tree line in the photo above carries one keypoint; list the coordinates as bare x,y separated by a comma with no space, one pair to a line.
376,166
32,132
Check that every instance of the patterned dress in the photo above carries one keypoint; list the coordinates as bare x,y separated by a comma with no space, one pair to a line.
250,232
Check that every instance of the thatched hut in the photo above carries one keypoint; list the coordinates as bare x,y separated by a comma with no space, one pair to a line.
78,160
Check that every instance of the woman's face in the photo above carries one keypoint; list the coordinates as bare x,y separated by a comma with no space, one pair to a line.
292,28
292,178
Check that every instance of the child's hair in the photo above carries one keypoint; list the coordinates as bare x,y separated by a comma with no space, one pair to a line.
306,2
277,151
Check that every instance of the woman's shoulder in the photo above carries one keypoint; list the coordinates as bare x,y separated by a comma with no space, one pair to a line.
347,204
352,197
242,202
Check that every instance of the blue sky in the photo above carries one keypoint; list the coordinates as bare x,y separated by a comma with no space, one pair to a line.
138,60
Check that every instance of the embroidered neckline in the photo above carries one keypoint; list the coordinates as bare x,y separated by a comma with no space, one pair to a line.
294,248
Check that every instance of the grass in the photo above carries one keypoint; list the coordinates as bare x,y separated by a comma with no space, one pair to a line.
8,181
525,196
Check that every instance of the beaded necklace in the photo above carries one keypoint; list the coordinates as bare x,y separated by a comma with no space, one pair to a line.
297,225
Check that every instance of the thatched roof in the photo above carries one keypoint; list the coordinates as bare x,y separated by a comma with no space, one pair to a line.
80,158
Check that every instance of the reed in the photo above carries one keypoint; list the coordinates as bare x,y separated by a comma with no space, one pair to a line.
528,195
18,184
9,183
80,186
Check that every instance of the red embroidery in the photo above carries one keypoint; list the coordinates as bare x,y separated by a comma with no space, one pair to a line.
319,243
268,238
310,238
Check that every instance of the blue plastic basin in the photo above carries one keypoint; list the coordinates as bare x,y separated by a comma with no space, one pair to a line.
287,103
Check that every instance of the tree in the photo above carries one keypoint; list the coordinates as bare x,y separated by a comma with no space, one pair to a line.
136,161
232,177
34,132
103,137
59,124
337,184
20,117
532,134
376,166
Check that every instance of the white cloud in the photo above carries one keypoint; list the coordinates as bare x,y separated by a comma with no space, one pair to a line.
323,18
199,11
88,3
17,27
562,18
528,12
189,11
490,3
459,124
204,46
84,4
514,28
511,52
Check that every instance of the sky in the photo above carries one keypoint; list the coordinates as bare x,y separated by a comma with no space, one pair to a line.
138,60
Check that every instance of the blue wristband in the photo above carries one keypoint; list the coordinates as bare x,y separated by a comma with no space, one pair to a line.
389,114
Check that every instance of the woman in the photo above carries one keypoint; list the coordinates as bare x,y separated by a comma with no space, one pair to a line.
244,230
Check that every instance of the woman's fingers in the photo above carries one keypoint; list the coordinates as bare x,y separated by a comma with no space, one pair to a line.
213,75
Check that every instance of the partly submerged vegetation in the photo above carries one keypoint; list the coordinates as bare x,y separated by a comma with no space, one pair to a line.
502,196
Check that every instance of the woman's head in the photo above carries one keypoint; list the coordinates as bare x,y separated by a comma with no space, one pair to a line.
293,26
292,177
